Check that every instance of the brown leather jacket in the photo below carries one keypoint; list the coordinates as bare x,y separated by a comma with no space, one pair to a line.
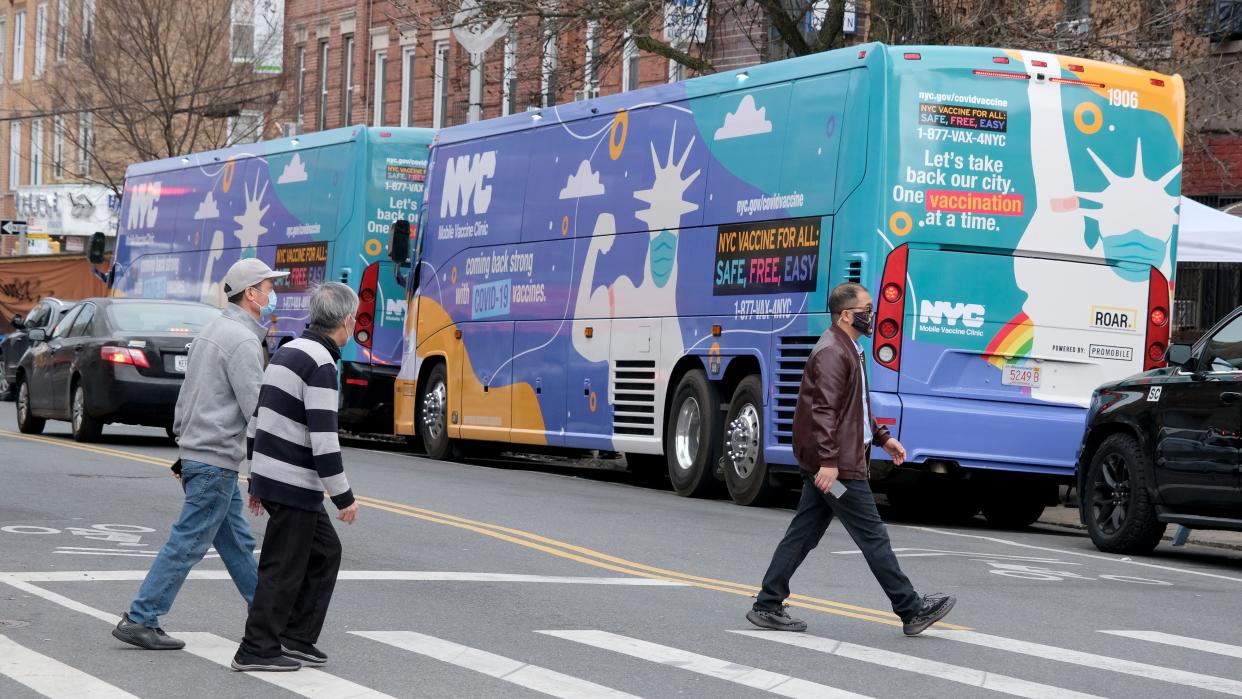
828,418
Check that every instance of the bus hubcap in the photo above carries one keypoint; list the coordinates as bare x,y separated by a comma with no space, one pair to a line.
434,405
686,434
743,441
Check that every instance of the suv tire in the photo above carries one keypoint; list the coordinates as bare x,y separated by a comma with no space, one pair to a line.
1116,503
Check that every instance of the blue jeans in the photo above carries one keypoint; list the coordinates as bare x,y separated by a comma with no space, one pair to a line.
212,515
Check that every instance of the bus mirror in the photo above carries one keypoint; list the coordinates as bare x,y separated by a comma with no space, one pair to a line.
97,248
399,242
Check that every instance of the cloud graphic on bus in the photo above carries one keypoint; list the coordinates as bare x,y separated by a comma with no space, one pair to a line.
583,183
748,120
294,172
208,209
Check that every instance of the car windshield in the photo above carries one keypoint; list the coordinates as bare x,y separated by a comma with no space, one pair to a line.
160,317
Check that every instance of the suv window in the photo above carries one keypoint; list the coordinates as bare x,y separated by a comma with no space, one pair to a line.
1223,351
62,328
81,326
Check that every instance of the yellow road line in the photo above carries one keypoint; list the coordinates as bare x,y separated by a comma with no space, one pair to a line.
554,547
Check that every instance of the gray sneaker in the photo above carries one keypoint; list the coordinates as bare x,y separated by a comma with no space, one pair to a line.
136,634
775,619
933,609
248,662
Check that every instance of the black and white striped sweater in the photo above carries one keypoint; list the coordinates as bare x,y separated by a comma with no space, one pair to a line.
291,441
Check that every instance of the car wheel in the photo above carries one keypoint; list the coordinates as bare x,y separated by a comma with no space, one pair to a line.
745,469
85,427
692,438
1117,506
27,423
6,388
433,414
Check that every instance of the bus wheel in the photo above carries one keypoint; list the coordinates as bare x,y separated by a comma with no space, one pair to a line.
692,436
433,414
745,469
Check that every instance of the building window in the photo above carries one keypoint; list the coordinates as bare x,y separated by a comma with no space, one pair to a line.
676,71
86,138
508,104
377,94
299,107
547,78
36,152
58,146
15,154
88,24
62,31
40,40
4,43
347,81
407,86
246,127
1077,9
324,55
19,45
629,65
241,31
439,95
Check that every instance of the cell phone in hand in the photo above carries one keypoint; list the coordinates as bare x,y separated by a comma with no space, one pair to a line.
838,489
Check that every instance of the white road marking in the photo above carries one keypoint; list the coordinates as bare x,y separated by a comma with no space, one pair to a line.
745,675
9,579
513,671
931,668
1096,662
1110,559
308,682
931,553
52,678
1182,642
372,575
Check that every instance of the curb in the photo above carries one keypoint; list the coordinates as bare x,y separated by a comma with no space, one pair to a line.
1168,538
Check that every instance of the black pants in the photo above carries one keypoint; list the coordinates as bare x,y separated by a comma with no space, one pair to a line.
297,573
858,513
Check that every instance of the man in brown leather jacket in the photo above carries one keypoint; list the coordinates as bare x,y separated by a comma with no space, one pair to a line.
833,432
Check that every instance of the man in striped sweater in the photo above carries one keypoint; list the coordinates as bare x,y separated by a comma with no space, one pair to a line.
294,459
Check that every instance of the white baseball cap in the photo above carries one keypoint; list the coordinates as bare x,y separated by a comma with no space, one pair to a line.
247,273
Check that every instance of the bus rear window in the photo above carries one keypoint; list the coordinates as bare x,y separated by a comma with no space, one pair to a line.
161,317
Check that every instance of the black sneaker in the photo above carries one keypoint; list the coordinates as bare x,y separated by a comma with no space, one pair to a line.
777,620
136,634
306,653
934,608
248,662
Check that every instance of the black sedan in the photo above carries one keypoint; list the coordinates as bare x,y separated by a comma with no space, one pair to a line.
46,314
109,360
1165,447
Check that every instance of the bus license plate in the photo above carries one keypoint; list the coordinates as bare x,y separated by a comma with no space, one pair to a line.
181,362
1021,376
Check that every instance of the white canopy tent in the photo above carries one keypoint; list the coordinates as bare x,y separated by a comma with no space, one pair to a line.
1208,235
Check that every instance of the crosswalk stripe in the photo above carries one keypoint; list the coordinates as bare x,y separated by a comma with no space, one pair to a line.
307,682
513,671
931,668
1091,660
50,677
1182,642
745,675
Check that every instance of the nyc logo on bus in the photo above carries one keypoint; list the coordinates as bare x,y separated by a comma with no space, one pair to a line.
394,311
466,188
944,317
142,209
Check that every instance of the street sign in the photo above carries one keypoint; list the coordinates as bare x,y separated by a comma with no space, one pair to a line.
12,227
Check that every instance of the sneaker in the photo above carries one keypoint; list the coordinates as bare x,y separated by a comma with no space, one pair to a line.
305,653
136,634
248,662
934,608
777,620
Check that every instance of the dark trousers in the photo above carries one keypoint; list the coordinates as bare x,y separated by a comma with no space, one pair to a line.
858,513
297,573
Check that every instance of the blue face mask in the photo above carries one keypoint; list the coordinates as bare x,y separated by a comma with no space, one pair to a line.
270,308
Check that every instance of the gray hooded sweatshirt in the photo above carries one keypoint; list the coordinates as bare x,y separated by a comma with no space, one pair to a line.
221,390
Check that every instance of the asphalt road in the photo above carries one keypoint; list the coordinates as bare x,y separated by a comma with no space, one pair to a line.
518,579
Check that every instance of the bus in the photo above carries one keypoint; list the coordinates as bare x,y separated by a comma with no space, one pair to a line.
320,206
646,273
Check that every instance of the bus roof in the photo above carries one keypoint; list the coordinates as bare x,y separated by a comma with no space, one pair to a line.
278,146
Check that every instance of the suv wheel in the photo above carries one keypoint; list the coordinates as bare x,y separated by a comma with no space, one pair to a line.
1116,503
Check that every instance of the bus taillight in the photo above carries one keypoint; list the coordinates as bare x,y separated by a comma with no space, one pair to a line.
364,320
1157,320
891,308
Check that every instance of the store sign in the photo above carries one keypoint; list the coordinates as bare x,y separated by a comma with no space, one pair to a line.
67,209
685,21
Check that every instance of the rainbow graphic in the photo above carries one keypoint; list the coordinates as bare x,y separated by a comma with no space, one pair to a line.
1014,340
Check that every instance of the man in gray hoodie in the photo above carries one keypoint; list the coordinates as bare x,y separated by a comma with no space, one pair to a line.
219,395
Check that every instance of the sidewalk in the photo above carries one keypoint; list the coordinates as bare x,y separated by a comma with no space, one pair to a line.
1067,518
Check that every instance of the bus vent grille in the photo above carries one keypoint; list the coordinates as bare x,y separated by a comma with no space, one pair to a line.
853,271
791,355
633,397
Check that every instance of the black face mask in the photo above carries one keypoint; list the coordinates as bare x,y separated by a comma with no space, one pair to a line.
862,322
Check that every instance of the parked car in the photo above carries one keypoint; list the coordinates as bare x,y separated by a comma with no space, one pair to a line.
46,314
109,360
1164,447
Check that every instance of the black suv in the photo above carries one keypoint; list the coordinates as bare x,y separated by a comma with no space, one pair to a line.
45,315
1164,447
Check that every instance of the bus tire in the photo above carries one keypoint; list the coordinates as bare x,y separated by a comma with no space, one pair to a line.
692,437
433,414
745,469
